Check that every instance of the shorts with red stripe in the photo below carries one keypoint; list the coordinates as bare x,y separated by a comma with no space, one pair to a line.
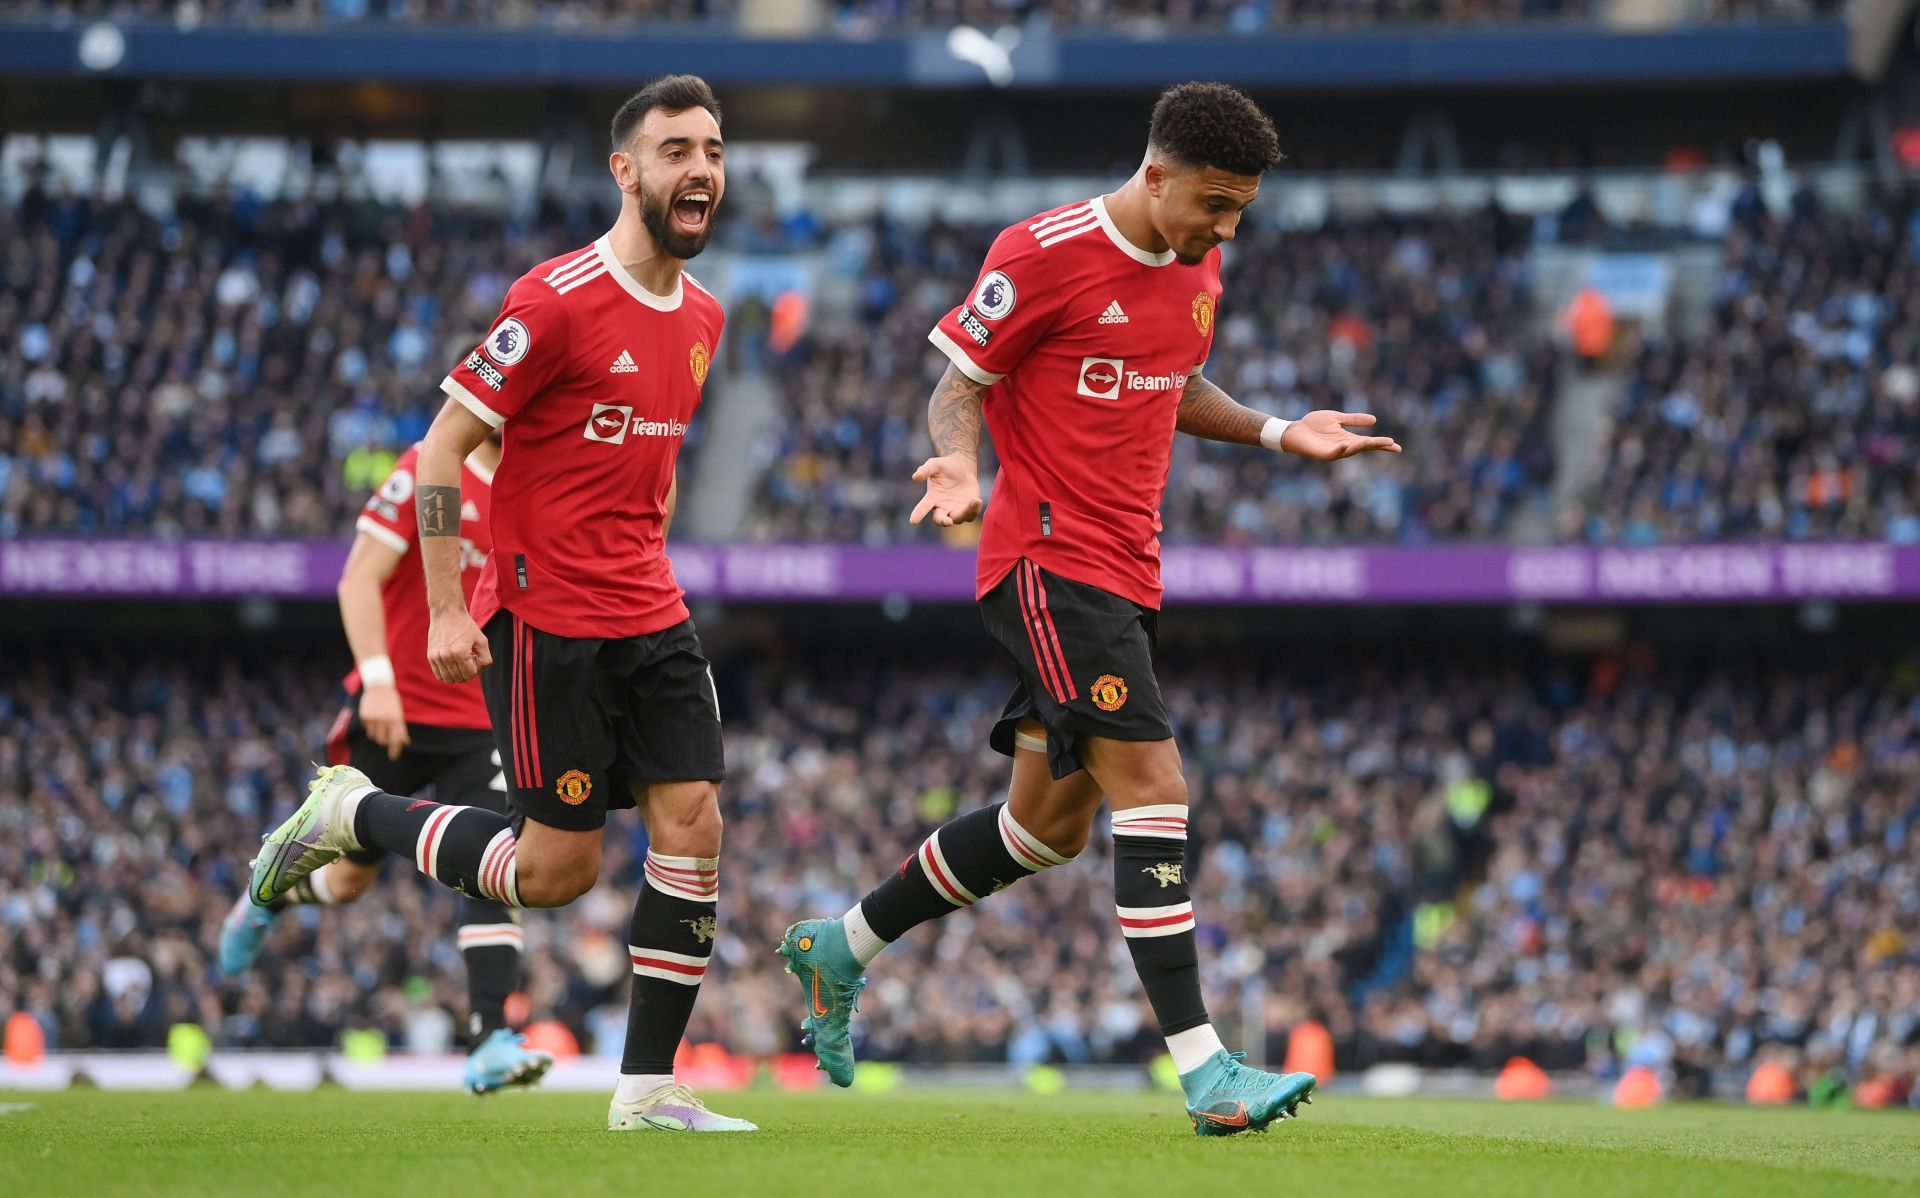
452,765
580,721
1085,661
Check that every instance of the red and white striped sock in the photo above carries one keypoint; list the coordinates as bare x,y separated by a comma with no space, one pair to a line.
1155,909
469,848
675,920
491,942
964,860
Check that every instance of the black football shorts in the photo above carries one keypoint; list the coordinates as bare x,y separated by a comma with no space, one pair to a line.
460,764
580,720
1085,662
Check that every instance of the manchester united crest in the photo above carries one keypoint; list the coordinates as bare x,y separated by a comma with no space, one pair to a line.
1108,692
698,361
574,787
1203,313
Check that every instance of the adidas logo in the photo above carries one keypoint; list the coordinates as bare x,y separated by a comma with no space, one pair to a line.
1113,314
624,364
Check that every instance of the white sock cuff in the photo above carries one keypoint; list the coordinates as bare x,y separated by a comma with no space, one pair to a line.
862,940
696,879
1192,1048
321,888
490,935
1023,846
349,810
1158,821
634,1086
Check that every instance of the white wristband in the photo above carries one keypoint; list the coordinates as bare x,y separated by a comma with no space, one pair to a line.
1271,432
377,671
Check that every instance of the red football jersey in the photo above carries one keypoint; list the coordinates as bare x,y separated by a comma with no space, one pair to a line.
389,519
1087,341
594,379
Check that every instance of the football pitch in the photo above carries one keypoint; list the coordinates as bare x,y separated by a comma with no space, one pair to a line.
967,1144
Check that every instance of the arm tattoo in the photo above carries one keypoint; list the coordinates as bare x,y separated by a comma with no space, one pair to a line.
439,511
1210,413
953,415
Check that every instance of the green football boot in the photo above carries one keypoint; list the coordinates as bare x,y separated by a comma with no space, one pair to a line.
311,836
1225,1098
830,984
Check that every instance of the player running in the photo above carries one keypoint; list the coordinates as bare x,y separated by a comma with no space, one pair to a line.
408,731
599,693
1082,345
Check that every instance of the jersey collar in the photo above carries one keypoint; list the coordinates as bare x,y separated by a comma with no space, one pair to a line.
1126,247
659,303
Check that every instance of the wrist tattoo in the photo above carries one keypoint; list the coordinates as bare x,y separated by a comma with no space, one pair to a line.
439,511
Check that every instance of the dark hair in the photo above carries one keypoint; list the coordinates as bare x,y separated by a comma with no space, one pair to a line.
1211,124
674,93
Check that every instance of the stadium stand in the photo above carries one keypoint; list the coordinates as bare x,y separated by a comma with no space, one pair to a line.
1787,419
1694,867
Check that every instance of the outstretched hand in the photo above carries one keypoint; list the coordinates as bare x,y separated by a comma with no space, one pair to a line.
953,491
1323,436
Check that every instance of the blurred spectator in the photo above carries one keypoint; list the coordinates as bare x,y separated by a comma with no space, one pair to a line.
1420,320
1795,416
1447,863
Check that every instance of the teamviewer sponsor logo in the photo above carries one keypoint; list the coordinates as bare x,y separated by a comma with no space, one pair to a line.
1100,377
609,423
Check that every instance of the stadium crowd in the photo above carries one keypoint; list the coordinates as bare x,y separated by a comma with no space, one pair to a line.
252,368
1445,862
1239,16
246,367
1418,320
1797,414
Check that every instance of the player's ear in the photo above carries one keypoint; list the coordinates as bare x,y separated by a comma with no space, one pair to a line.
1156,178
626,171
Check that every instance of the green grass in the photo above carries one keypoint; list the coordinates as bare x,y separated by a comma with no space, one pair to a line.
929,1145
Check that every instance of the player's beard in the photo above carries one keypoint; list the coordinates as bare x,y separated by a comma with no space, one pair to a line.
656,213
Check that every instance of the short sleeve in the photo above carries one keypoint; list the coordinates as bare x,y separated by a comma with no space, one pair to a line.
522,354
388,515
1009,309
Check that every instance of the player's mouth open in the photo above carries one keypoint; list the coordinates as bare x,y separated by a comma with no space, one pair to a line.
691,210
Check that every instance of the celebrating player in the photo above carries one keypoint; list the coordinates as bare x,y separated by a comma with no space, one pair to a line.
408,731
599,693
1082,345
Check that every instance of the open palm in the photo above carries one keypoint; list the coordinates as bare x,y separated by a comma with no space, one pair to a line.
1324,436
953,490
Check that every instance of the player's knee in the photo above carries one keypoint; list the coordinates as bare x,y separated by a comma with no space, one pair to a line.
690,826
347,879
1154,791
554,883
1067,839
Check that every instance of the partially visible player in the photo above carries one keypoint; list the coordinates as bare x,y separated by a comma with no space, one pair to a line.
599,693
1082,345
410,731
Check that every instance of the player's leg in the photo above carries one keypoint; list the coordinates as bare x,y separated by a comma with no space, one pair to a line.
545,698
1044,822
1144,784
967,858
489,937
243,933
671,753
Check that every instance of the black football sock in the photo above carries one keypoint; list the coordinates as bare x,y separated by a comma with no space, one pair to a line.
670,940
964,860
490,941
468,848
1156,911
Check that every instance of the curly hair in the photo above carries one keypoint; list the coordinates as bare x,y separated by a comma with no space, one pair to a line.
1212,124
